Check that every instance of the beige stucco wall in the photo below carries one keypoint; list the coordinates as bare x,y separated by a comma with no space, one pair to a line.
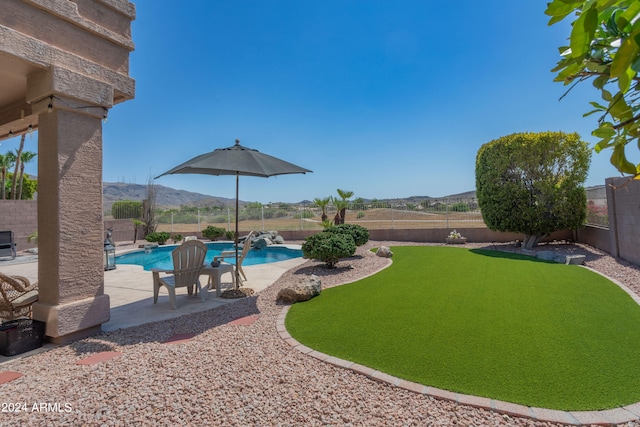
63,65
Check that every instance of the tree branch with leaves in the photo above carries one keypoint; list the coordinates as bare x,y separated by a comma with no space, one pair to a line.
604,47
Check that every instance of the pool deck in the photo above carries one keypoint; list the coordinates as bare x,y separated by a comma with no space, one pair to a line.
130,290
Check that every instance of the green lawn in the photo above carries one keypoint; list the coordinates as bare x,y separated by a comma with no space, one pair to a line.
485,323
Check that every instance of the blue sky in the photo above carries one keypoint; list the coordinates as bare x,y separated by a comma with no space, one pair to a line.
385,98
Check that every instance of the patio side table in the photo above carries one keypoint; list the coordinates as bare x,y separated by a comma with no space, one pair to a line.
215,274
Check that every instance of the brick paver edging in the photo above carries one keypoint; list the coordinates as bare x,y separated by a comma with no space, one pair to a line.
608,417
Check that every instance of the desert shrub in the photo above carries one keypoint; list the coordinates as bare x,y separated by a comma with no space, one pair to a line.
212,232
176,238
360,215
160,237
460,207
359,234
126,209
328,247
229,235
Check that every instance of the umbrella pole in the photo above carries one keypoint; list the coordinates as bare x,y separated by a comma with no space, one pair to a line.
236,233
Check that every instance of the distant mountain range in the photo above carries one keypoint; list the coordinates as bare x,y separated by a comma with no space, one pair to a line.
165,196
169,197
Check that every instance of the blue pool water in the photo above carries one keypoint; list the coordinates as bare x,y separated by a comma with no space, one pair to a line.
161,257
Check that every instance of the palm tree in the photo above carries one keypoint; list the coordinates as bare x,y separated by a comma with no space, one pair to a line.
341,208
6,161
18,157
25,157
322,203
342,212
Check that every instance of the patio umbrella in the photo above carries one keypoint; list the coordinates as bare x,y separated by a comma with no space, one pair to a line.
236,160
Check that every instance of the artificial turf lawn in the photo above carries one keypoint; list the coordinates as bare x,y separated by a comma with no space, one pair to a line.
485,323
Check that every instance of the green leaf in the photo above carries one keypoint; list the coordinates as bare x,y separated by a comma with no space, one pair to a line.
583,31
619,160
600,81
629,14
569,73
558,10
636,65
604,131
619,109
625,56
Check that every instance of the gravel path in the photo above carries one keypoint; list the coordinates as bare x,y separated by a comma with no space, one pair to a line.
236,375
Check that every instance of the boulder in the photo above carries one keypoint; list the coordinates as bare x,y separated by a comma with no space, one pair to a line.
384,252
575,259
262,242
278,240
303,291
546,255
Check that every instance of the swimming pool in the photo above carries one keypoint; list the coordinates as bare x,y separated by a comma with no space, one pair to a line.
161,256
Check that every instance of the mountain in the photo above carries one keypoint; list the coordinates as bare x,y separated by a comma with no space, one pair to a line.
165,196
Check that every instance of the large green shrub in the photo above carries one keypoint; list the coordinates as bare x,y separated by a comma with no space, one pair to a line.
123,209
359,234
532,183
328,247
160,237
212,233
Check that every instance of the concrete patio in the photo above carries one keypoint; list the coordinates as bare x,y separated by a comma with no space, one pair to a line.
130,291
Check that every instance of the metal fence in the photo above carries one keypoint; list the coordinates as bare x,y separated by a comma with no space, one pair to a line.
597,208
441,213
445,213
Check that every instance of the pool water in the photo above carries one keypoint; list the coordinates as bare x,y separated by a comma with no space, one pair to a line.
161,256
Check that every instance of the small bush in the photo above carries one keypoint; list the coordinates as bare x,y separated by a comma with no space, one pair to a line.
176,238
229,235
359,234
329,247
160,237
212,233
460,207
360,215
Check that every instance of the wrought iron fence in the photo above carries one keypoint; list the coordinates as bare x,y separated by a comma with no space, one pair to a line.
597,208
441,213
446,213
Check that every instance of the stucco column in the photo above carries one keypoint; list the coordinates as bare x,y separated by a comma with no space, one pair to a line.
70,223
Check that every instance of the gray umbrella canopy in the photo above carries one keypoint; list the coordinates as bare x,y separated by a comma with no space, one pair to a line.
236,160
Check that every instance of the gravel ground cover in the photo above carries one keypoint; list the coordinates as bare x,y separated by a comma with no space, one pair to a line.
236,375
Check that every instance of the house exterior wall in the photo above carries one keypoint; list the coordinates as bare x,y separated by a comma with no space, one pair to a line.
68,62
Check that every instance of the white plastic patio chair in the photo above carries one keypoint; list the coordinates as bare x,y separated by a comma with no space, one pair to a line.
188,260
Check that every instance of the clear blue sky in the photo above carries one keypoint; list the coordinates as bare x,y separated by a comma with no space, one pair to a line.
385,98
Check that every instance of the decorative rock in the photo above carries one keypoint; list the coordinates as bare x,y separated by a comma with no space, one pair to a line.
384,252
262,242
575,259
456,241
189,238
303,291
546,255
279,240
